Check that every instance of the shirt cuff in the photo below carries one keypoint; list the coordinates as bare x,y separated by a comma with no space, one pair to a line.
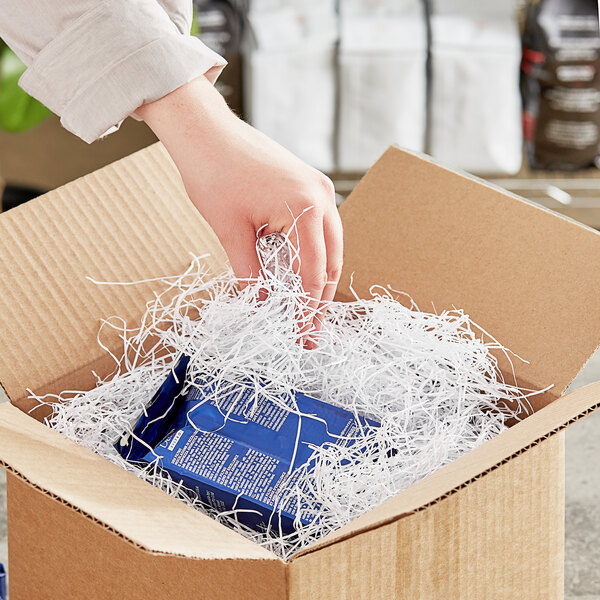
110,61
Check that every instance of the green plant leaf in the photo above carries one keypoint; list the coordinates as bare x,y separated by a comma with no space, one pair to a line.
18,110
195,28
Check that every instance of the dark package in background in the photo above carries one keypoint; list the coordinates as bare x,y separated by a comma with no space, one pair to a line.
235,448
560,84
220,26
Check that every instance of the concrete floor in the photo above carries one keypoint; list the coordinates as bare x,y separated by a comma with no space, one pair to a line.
582,568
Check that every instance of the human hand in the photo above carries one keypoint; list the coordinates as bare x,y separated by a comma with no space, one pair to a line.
244,184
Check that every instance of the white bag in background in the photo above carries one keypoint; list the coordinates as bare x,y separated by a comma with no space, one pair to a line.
382,86
380,8
291,98
476,9
289,68
475,98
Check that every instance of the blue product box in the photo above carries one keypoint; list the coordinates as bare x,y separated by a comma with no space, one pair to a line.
2,582
240,450
157,419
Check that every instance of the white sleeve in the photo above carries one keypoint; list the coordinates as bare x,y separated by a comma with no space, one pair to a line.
94,62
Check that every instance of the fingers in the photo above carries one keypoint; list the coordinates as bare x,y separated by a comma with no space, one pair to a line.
310,239
241,250
333,235
319,237
334,242
316,233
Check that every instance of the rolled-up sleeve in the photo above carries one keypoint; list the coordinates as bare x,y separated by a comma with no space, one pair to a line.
95,62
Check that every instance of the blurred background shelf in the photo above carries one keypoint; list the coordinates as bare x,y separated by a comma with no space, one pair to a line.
337,81
575,194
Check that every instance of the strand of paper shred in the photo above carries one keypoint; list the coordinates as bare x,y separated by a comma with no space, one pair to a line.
431,380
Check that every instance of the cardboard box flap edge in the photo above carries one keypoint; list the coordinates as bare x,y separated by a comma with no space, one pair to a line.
120,502
479,462
526,275
156,522
108,225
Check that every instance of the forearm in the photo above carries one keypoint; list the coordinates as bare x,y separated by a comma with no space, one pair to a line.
189,121
209,143
93,63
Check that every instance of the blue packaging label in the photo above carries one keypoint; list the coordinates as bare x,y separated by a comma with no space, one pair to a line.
2,582
240,450
157,420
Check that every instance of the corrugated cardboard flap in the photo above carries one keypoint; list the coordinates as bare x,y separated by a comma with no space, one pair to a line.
526,275
113,498
126,222
476,464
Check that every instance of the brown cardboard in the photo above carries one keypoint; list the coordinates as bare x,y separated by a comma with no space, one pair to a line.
48,155
122,503
524,274
491,539
90,562
488,525
481,461
133,222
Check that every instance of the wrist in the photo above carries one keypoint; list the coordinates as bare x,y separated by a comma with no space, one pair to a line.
192,113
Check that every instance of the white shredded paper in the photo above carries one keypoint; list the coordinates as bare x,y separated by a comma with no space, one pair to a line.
429,379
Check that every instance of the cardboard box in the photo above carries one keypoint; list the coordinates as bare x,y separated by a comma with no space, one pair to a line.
489,525
48,155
